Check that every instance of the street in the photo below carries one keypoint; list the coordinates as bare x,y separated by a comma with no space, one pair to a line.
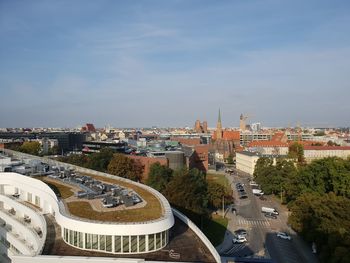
262,240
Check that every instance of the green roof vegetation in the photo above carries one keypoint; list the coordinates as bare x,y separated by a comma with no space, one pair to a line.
60,190
151,211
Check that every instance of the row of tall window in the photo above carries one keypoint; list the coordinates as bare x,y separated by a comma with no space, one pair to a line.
116,244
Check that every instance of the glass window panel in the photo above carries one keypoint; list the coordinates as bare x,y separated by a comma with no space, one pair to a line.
109,243
95,242
163,239
102,242
75,240
158,240
66,234
150,242
126,244
142,243
88,241
29,197
133,243
71,237
80,240
37,200
117,244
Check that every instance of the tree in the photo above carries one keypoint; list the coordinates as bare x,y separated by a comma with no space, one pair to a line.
159,176
99,161
325,220
296,151
33,148
188,190
215,194
123,166
54,150
230,159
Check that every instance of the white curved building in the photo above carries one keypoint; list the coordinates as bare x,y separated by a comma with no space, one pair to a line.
26,202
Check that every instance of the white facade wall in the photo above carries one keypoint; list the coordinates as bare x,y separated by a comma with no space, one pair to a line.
246,163
319,154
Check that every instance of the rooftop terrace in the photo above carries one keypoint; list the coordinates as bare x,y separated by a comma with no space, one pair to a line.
150,209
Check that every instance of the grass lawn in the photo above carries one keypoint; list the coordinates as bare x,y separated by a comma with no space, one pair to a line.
60,189
220,179
215,229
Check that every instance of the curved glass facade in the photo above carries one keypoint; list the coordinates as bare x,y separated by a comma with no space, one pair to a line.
116,244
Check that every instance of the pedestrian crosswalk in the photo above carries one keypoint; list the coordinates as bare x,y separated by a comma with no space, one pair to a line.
233,250
253,222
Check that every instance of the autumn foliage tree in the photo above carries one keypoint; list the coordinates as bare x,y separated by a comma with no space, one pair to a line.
123,166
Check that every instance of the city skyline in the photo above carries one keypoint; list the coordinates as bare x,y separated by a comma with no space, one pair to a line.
168,64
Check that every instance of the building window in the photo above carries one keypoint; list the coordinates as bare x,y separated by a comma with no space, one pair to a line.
163,238
126,242
95,242
29,197
133,243
142,243
75,238
80,240
158,240
109,243
102,242
117,244
37,201
88,241
66,235
151,242
71,237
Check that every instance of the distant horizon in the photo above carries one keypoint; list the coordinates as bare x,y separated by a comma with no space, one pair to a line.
168,63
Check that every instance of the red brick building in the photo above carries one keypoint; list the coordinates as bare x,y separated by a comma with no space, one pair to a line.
146,162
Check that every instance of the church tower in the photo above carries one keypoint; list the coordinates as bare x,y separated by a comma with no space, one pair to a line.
219,128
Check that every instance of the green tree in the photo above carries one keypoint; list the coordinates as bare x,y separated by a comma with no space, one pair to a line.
188,190
54,150
123,166
159,176
296,151
230,159
215,194
99,161
33,148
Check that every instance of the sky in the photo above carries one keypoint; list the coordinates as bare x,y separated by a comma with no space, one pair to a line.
168,63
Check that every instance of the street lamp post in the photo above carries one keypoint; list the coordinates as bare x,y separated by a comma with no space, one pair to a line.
223,206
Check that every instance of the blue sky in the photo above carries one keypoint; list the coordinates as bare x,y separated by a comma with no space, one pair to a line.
168,63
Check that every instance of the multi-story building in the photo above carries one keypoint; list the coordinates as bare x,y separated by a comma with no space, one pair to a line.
319,152
76,214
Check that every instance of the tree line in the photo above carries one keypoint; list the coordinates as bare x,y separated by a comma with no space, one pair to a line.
318,196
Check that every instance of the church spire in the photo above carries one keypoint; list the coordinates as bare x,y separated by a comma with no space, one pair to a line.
219,127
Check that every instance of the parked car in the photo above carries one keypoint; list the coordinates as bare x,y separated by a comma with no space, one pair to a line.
284,235
270,215
241,233
252,183
239,239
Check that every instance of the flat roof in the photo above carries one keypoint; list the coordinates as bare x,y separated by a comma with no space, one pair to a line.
150,209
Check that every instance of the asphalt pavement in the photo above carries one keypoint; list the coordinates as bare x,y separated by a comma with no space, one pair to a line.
262,239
